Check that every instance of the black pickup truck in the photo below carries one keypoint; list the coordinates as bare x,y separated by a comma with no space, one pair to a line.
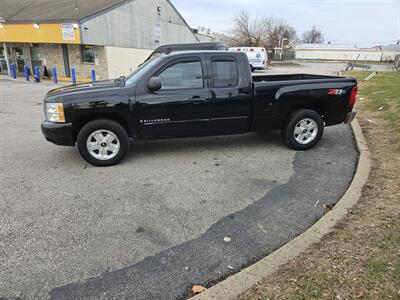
194,93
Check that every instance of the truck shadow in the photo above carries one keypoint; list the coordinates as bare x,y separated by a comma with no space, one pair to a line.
143,149
148,149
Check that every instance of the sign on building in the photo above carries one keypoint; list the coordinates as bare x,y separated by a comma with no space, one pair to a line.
68,33
157,30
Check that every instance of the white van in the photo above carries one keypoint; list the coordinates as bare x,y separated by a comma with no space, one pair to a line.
257,56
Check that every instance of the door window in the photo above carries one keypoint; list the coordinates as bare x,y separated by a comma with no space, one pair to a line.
35,52
3,62
225,72
182,75
19,57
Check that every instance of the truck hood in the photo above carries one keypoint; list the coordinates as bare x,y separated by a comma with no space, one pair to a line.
82,88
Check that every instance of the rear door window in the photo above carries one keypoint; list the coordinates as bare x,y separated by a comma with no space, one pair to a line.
225,72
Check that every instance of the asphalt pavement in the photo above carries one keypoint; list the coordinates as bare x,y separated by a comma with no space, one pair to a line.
174,213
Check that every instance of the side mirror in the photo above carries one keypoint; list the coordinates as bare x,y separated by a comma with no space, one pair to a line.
154,84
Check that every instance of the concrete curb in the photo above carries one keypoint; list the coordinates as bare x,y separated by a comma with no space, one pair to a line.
43,81
235,285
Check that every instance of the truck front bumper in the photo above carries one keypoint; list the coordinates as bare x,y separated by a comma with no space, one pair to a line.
58,133
350,116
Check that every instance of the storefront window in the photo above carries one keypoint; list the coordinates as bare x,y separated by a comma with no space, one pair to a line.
3,62
36,56
35,52
87,53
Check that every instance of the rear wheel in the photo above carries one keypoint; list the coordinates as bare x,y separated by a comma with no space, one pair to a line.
304,129
103,142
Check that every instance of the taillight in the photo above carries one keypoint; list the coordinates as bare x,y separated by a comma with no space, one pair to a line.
352,99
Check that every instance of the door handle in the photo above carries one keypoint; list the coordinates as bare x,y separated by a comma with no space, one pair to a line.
197,99
197,102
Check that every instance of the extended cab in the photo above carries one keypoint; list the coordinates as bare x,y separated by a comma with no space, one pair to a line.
194,93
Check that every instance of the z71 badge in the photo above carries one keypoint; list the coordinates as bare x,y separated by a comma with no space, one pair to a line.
335,91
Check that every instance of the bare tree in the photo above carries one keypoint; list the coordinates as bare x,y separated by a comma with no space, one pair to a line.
276,30
313,36
246,31
265,32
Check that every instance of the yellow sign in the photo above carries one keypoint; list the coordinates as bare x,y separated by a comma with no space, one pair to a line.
40,33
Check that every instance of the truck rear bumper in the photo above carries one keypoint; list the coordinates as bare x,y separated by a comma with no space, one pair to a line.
58,133
350,116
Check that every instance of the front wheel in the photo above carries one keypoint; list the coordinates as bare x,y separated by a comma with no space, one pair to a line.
304,129
103,142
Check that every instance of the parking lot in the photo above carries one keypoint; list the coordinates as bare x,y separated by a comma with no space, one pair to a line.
155,224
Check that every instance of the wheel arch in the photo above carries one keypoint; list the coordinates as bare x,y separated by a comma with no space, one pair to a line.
320,108
81,120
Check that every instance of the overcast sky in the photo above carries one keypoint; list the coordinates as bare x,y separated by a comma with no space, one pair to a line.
360,22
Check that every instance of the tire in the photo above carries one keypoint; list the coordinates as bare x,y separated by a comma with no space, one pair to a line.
103,142
304,129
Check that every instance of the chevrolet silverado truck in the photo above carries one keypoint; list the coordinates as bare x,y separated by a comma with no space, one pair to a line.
191,94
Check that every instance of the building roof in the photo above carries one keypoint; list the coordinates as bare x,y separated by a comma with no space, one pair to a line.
338,47
393,47
325,46
20,11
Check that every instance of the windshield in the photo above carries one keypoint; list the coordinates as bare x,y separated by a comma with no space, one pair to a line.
132,78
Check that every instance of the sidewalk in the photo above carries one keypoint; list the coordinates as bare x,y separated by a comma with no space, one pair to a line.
61,80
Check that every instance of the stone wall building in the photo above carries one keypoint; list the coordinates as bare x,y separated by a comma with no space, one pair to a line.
110,36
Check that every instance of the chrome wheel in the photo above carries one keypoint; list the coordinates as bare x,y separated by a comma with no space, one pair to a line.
103,144
305,131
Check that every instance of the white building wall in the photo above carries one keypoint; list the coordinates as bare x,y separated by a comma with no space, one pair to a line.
389,55
346,55
144,24
122,61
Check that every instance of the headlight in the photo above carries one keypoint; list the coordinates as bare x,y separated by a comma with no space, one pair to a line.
54,112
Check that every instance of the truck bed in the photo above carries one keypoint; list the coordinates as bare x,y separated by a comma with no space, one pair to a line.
290,77
272,83
275,96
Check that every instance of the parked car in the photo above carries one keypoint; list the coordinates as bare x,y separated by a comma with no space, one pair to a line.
257,56
194,93
187,47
